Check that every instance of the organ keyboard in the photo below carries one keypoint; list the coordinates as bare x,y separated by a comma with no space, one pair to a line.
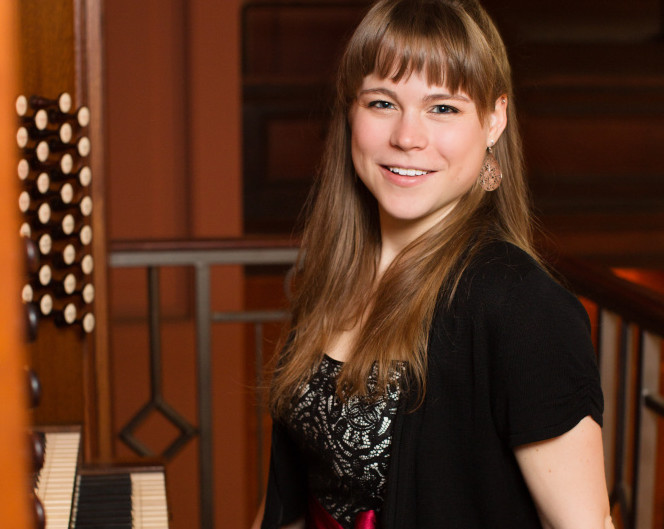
74,498
55,483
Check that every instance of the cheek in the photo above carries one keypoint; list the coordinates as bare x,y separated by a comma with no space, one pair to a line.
463,145
362,144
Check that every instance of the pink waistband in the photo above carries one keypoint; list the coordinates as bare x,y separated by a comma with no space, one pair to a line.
319,518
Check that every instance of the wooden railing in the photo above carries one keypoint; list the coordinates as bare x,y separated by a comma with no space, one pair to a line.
628,331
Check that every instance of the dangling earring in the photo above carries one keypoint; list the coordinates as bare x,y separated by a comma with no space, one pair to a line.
490,174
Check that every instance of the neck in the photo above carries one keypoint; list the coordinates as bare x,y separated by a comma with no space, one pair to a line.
395,236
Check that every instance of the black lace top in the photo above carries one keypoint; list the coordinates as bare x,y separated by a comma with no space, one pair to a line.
346,445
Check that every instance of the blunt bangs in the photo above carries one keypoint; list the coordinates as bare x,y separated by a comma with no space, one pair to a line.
428,38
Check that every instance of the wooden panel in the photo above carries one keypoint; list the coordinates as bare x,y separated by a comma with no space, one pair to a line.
297,40
56,56
589,88
283,139
174,118
13,438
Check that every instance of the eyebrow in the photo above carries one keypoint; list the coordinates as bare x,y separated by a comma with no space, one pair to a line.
427,99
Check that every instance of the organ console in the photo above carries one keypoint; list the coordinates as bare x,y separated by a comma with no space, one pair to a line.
63,103
57,232
50,147
79,498
58,148
31,320
32,163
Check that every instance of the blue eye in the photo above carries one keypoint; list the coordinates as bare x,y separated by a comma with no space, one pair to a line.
444,109
381,104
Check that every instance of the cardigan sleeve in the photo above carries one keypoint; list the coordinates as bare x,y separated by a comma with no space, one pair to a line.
286,497
545,363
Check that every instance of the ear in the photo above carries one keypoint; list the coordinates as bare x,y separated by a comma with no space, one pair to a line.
497,120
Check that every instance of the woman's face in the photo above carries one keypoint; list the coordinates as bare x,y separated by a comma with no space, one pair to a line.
418,148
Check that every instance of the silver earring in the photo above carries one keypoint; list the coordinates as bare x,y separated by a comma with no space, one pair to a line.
490,175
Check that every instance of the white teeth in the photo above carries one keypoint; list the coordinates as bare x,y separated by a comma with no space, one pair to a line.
407,172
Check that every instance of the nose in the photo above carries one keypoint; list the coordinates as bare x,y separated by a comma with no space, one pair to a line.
408,133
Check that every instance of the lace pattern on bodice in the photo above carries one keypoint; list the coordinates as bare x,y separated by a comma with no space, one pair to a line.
346,445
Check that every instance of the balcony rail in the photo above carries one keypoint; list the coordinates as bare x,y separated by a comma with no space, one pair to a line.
629,324
629,329
201,255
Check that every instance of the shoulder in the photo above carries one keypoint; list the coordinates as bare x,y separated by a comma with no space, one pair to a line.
504,279
501,261
496,269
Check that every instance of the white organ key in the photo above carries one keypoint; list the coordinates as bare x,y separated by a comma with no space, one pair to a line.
148,491
55,485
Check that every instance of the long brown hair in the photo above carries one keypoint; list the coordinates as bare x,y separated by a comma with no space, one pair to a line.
453,43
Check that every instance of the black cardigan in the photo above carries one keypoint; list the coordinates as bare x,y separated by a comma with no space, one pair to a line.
510,363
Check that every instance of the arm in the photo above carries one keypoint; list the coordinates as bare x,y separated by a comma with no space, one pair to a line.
565,476
259,515
299,524
285,498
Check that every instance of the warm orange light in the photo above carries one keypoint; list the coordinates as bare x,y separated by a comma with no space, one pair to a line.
652,279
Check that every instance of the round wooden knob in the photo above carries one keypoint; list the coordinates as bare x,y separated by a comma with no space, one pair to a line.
34,389
39,513
37,447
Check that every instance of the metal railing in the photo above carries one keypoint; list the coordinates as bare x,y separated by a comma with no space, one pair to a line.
629,323
201,256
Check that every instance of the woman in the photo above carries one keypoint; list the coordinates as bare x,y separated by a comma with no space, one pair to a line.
435,375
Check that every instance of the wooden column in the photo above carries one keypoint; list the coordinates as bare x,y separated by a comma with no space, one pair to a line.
14,489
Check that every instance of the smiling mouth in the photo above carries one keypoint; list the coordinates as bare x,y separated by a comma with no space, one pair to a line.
407,172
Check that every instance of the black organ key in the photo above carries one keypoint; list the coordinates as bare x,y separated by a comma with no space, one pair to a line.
104,502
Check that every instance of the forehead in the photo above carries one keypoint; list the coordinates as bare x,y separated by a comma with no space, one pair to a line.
416,84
